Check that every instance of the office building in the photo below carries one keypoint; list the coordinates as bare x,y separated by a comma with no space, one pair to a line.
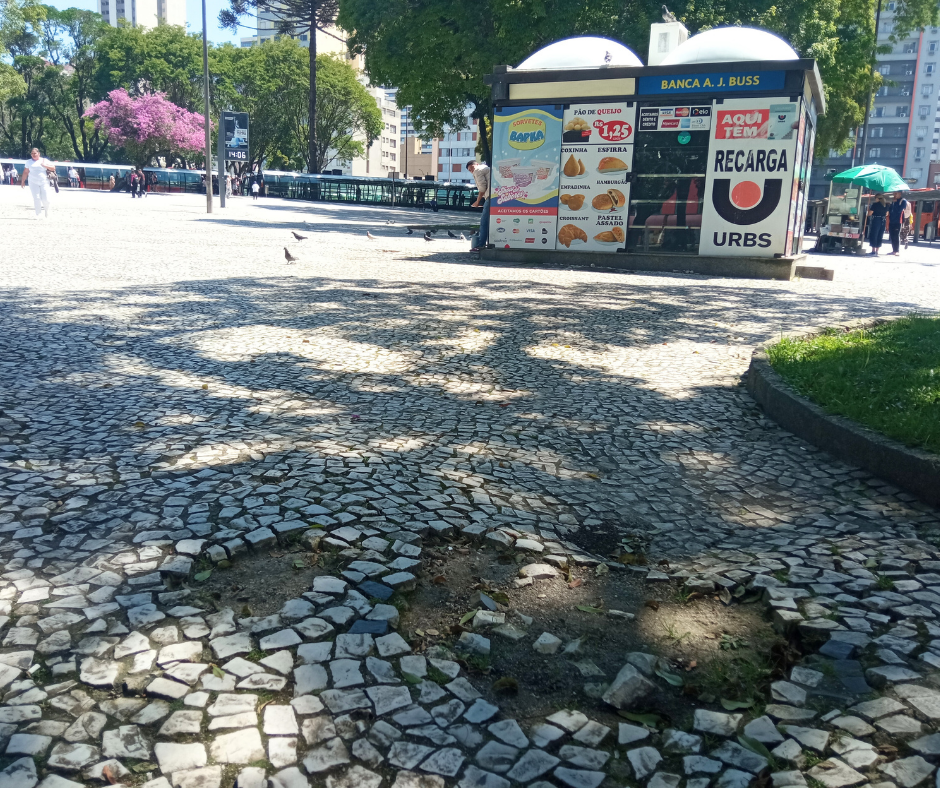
143,13
902,126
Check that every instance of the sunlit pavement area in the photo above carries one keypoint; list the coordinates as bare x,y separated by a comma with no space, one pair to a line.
169,383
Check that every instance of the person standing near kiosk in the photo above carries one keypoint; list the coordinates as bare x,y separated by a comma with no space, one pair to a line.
481,175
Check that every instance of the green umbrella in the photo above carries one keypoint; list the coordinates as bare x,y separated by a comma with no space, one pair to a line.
876,177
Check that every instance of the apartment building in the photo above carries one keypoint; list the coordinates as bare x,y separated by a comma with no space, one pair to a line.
382,156
456,148
143,13
902,126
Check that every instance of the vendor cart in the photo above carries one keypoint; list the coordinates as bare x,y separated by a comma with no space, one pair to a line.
850,193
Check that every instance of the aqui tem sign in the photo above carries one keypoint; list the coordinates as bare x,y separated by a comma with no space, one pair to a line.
235,125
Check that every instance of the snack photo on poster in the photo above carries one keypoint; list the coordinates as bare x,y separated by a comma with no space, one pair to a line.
595,175
525,177
594,196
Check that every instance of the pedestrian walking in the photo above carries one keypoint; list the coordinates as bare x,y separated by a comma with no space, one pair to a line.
73,178
907,226
895,220
481,175
133,182
36,174
255,188
111,182
876,223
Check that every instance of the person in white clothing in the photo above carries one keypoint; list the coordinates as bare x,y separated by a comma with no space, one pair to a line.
36,173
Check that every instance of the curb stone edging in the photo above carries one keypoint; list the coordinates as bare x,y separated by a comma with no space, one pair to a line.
913,470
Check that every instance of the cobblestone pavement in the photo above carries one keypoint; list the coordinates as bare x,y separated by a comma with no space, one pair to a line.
174,392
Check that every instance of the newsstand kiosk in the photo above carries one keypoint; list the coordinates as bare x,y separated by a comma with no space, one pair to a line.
698,163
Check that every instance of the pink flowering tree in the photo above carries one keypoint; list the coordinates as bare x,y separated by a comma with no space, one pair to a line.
148,126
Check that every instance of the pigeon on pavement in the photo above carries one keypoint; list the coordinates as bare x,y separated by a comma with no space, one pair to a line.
370,235
298,237
289,257
410,231
463,237
450,234
427,236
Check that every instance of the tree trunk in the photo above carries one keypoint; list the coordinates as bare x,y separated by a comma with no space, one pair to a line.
482,121
312,165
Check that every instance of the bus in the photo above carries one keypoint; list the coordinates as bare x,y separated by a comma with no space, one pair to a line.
430,195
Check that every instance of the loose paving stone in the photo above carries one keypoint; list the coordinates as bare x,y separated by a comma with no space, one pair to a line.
72,757
177,757
716,723
474,777
908,772
578,778
833,773
242,746
446,762
644,761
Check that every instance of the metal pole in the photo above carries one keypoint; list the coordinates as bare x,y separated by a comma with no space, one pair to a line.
221,154
868,104
205,95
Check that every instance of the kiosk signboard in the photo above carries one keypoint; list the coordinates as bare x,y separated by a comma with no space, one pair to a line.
596,169
524,188
236,135
716,82
752,162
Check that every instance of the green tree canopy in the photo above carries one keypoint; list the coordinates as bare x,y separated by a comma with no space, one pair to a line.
165,59
345,111
292,18
438,51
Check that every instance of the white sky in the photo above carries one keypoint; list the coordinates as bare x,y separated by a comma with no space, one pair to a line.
193,17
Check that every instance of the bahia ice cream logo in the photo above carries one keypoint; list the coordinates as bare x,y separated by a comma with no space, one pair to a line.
527,133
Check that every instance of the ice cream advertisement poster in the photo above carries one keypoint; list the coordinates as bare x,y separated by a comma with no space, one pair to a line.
526,152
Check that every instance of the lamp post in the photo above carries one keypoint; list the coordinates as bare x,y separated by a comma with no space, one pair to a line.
205,94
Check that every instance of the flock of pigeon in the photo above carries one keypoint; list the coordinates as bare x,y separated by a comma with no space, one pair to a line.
410,231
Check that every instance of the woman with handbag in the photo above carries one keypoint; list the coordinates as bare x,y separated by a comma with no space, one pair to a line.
37,172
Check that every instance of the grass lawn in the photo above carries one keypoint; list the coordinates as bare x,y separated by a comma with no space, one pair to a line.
887,377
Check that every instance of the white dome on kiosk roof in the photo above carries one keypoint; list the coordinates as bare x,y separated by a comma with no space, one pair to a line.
580,52
730,44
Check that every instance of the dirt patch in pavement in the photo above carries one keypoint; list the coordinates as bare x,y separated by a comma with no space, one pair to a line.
715,651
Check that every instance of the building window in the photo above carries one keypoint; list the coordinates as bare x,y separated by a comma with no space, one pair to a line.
930,68
393,129
921,132
303,36
923,111
876,131
926,90
910,48
874,153
878,112
456,167
898,153
932,47
884,70
440,168
900,112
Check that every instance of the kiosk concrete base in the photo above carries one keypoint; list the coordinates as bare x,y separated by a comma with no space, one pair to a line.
740,267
